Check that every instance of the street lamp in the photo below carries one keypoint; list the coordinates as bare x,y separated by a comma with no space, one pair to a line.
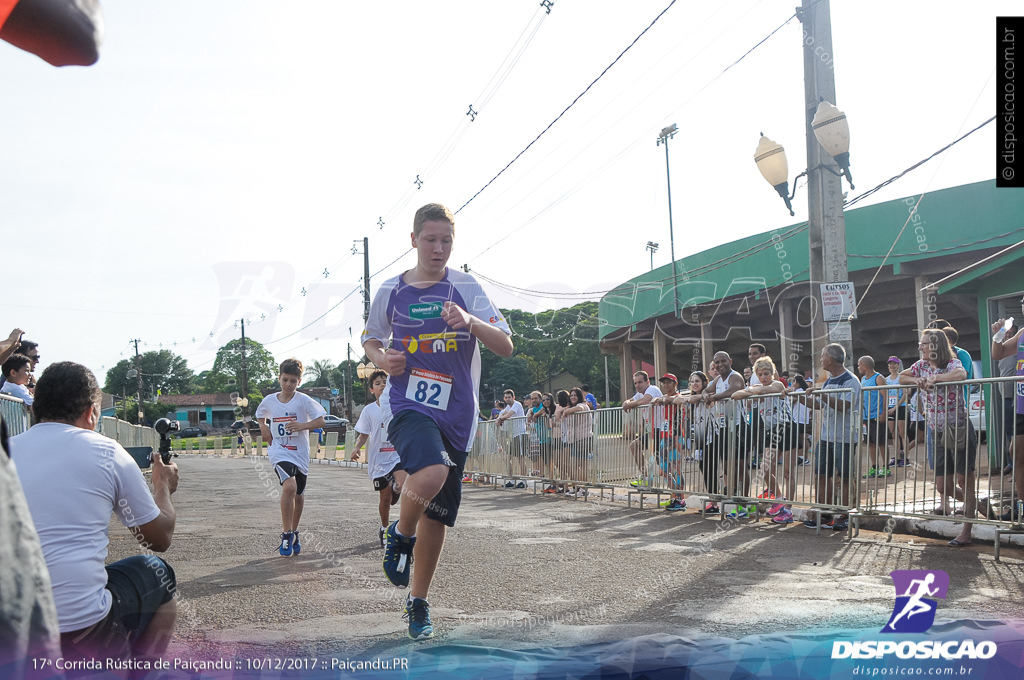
827,125
653,248
832,131
666,134
363,371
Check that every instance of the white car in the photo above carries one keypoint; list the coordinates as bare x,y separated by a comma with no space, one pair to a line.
976,410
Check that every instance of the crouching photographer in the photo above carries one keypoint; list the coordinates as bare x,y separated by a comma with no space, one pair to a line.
73,478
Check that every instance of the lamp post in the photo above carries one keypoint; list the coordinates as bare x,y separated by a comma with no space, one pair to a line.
653,248
826,130
666,134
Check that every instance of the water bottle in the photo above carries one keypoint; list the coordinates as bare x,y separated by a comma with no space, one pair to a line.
1001,333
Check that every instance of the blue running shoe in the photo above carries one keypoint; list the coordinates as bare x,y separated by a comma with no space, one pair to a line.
739,513
296,546
286,544
397,556
417,613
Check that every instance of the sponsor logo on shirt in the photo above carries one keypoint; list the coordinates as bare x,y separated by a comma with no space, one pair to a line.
425,310
431,343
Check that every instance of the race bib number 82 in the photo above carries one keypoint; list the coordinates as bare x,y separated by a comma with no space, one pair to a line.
429,388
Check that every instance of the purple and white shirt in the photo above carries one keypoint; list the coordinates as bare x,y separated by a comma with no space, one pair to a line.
442,365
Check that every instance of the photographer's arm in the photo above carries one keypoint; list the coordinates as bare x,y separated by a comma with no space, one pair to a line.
156,534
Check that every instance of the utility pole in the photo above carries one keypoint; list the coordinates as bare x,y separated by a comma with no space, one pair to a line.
366,279
825,217
138,374
348,384
245,380
663,137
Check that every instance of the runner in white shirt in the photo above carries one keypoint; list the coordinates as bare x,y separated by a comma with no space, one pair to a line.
382,461
637,428
284,418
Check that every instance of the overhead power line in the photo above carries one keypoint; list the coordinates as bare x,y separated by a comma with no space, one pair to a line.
571,104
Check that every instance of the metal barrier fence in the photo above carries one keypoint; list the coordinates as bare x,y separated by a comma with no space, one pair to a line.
127,434
966,429
887,454
15,413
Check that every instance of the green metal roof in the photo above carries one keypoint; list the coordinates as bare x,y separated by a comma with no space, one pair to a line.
959,219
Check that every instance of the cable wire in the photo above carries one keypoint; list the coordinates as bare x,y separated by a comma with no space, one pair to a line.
564,111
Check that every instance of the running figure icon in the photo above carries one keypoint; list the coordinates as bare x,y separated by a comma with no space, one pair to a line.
919,587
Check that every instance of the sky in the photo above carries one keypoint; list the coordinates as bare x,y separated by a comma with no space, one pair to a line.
221,159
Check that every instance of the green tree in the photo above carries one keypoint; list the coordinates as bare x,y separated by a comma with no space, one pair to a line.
549,343
320,372
260,364
163,372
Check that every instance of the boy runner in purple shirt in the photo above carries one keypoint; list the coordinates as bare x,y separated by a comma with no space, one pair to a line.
423,330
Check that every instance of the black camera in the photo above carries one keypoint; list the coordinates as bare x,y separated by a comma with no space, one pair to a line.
164,427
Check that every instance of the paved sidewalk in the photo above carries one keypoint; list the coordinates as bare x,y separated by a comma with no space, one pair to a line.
523,570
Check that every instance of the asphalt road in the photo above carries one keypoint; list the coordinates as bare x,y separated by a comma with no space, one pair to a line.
523,570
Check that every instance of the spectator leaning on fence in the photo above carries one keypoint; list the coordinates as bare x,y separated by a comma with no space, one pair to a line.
781,439
949,437
833,465
636,429
16,373
519,449
723,387
74,478
671,423
705,426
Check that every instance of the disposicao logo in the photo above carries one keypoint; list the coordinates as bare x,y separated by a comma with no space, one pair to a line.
914,612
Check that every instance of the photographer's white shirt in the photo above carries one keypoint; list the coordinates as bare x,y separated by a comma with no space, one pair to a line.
293,447
73,479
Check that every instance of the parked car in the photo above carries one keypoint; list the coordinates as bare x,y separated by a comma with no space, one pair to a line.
252,426
186,432
335,424
976,410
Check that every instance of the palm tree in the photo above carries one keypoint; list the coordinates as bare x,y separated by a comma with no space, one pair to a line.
320,370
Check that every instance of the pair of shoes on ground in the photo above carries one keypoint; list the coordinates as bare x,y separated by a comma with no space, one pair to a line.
515,485
835,523
877,472
676,504
711,509
742,512
290,544
551,488
578,492
898,462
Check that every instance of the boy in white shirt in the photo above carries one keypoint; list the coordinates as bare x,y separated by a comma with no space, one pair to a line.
382,461
283,417
17,371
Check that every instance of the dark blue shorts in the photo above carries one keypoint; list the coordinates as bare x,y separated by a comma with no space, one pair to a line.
420,443
833,460
138,586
